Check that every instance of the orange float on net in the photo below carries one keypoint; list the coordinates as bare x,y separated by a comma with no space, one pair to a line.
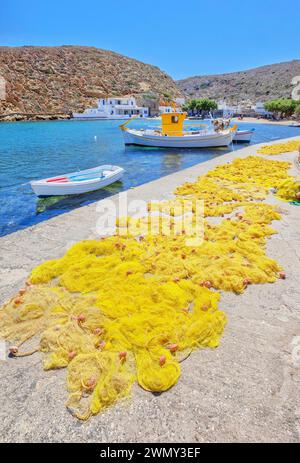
207,284
91,383
98,331
81,318
173,347
162,360
72,355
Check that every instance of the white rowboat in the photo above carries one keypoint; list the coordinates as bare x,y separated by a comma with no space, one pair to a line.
76,183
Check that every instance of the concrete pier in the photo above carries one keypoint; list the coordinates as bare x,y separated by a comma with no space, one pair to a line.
245,390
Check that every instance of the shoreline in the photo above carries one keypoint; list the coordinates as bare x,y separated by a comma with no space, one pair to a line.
64,117
253,120
237,392
29,117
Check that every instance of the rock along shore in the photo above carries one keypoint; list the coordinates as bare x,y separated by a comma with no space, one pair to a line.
17,117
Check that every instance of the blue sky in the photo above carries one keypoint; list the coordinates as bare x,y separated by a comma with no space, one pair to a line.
183,38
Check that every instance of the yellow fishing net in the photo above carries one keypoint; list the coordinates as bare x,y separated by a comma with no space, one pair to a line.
131,308
280,148
244,179
289,189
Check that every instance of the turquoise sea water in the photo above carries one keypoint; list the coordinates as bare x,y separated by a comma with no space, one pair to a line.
34,150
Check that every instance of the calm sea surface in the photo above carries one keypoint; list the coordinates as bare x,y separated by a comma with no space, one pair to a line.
34,150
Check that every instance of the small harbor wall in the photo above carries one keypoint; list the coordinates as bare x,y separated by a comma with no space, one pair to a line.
246,390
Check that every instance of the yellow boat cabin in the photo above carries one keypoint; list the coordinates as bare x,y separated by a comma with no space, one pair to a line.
172,124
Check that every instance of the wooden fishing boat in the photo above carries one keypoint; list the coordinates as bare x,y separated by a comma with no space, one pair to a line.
173,135
243,136
76,183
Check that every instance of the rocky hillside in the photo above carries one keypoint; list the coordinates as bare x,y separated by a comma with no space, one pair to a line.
259,84
52,80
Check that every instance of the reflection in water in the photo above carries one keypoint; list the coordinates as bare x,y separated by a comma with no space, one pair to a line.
49,203
172,161
69,202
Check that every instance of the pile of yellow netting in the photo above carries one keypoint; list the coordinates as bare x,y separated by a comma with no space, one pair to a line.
131,308
280,148
244,179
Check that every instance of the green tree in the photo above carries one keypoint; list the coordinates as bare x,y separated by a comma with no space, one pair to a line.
192,104
200,105
283,107
205,104
185,107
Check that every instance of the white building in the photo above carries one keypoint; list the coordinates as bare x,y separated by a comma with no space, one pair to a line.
228,111
180,101
176,107
166,109
113,108
259,108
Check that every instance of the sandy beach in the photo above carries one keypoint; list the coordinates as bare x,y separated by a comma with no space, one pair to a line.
254,120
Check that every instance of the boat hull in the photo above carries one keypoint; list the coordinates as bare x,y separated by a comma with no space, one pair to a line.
44,188
243,136
100,118
132,137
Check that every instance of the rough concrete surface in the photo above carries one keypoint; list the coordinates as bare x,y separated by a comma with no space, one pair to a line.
245,390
